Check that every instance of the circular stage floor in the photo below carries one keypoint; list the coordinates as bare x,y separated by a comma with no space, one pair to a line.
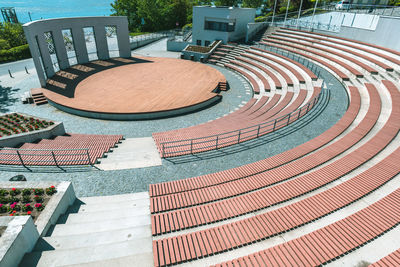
136,88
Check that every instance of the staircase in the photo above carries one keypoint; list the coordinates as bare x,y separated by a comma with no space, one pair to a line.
38,97
226,53
98,231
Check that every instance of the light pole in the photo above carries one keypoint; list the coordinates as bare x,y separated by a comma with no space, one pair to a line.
287,9
312,19
273,14
298,16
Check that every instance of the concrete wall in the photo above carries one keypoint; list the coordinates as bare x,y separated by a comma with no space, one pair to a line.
34,32
176,46
240,16
385,34
140,43
254,28
243,17
22,233
19,238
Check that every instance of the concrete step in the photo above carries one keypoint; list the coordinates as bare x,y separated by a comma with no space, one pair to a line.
74,218
113,206
142,260
115,198
91,239
41,102
100,226
88,254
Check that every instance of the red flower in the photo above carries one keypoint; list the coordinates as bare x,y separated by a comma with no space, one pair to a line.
29,212
14,211
11,214
52,186
13,189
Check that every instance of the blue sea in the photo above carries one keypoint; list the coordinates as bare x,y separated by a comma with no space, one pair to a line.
46,9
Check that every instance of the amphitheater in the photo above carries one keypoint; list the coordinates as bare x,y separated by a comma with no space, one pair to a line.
279,152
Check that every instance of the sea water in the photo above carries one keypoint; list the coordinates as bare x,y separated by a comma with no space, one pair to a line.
46,9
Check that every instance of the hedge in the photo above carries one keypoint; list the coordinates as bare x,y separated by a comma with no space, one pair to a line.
15,53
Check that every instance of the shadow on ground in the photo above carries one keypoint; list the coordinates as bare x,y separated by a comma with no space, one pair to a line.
6,98
64,82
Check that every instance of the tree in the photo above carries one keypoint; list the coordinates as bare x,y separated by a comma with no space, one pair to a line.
226,2
12,33
154,15
127,8
252,3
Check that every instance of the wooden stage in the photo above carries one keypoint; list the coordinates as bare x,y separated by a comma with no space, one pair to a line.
134,85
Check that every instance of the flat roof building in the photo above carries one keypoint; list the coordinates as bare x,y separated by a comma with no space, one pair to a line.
228,24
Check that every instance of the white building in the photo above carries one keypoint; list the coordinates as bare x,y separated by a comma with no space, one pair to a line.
228,24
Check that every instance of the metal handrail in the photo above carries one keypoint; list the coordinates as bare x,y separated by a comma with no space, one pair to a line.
216,139
55,155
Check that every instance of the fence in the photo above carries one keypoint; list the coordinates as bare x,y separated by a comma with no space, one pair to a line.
202,144
45,157
391,11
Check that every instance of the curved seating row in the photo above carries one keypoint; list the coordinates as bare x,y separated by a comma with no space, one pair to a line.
292,70
328,243
341,48
222,177
352,43
246,231
215,197
262,181
260,227
340,54
393,259
205,133
336,70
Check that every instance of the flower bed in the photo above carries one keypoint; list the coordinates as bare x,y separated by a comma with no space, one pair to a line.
14,123
27,201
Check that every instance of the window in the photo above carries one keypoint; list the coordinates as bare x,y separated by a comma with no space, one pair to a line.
206,43
219,26
48,37
112,41
90,39
69,46
198,42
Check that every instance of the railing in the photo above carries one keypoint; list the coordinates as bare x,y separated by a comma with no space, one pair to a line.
202,144
392,11
307,24
45,157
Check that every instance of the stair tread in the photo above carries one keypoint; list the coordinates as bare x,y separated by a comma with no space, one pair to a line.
90,239
143,260
86,254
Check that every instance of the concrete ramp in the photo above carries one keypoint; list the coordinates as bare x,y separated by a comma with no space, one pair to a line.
132,153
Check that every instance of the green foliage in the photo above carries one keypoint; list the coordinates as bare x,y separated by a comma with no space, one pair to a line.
154,15
137,33
13,34
394,3
252,3
4,44
187,26
226,2
15,53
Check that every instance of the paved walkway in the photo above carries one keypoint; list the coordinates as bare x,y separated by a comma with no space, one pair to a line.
132,153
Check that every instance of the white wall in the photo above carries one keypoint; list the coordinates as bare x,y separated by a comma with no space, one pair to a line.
242,16
385,34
